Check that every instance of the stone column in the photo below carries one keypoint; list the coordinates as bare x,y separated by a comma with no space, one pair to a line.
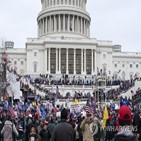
43,26
74,3
78,3
88,29
49,60
50,27
48,3
72,23
85,61
60,60
84,26
77,24
95,64
45,58
46,25
38,28
68,23
81,26
67,61
54,23
92,62
74,61
56,60
82,61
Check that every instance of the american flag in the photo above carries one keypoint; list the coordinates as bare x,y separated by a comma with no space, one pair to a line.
89,110
12,112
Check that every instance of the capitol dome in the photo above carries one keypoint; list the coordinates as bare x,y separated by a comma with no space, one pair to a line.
67,18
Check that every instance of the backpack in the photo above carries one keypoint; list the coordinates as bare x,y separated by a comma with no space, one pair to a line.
8,131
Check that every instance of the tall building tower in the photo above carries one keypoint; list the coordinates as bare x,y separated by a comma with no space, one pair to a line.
64,18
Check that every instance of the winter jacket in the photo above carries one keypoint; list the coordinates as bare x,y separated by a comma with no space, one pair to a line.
44,134
85,126
8,130
63,132
125,135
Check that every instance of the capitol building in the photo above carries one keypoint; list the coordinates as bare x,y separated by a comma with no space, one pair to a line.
64,46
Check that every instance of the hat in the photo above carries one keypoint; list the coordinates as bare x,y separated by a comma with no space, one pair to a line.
124,115
64,114
30,115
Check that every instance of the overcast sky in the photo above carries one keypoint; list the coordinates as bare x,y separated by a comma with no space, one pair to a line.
115,20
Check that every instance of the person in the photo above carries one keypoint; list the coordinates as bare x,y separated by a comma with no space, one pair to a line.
8,130
33,135
125,119
21,133
51,125
44,134
86,127
63,131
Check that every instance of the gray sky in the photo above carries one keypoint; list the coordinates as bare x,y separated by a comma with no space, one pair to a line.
115,20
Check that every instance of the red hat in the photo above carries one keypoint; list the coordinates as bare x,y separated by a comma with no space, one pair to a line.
124,114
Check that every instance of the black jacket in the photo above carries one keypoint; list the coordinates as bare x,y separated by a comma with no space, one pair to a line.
44,134
63,132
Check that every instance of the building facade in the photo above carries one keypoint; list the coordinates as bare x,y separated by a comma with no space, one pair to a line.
64,46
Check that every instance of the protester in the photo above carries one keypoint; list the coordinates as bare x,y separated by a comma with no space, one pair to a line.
8,130
125,130
33,134
85,126
63,131
44,133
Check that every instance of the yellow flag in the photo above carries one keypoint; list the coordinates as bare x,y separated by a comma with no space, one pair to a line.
105,116
75,102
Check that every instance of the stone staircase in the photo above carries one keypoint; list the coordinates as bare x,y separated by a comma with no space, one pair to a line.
128,93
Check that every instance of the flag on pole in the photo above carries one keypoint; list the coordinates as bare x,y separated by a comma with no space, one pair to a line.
89,110
12,112
105,116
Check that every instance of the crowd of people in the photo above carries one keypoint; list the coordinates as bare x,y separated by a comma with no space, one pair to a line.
31,117
34,121
40,119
